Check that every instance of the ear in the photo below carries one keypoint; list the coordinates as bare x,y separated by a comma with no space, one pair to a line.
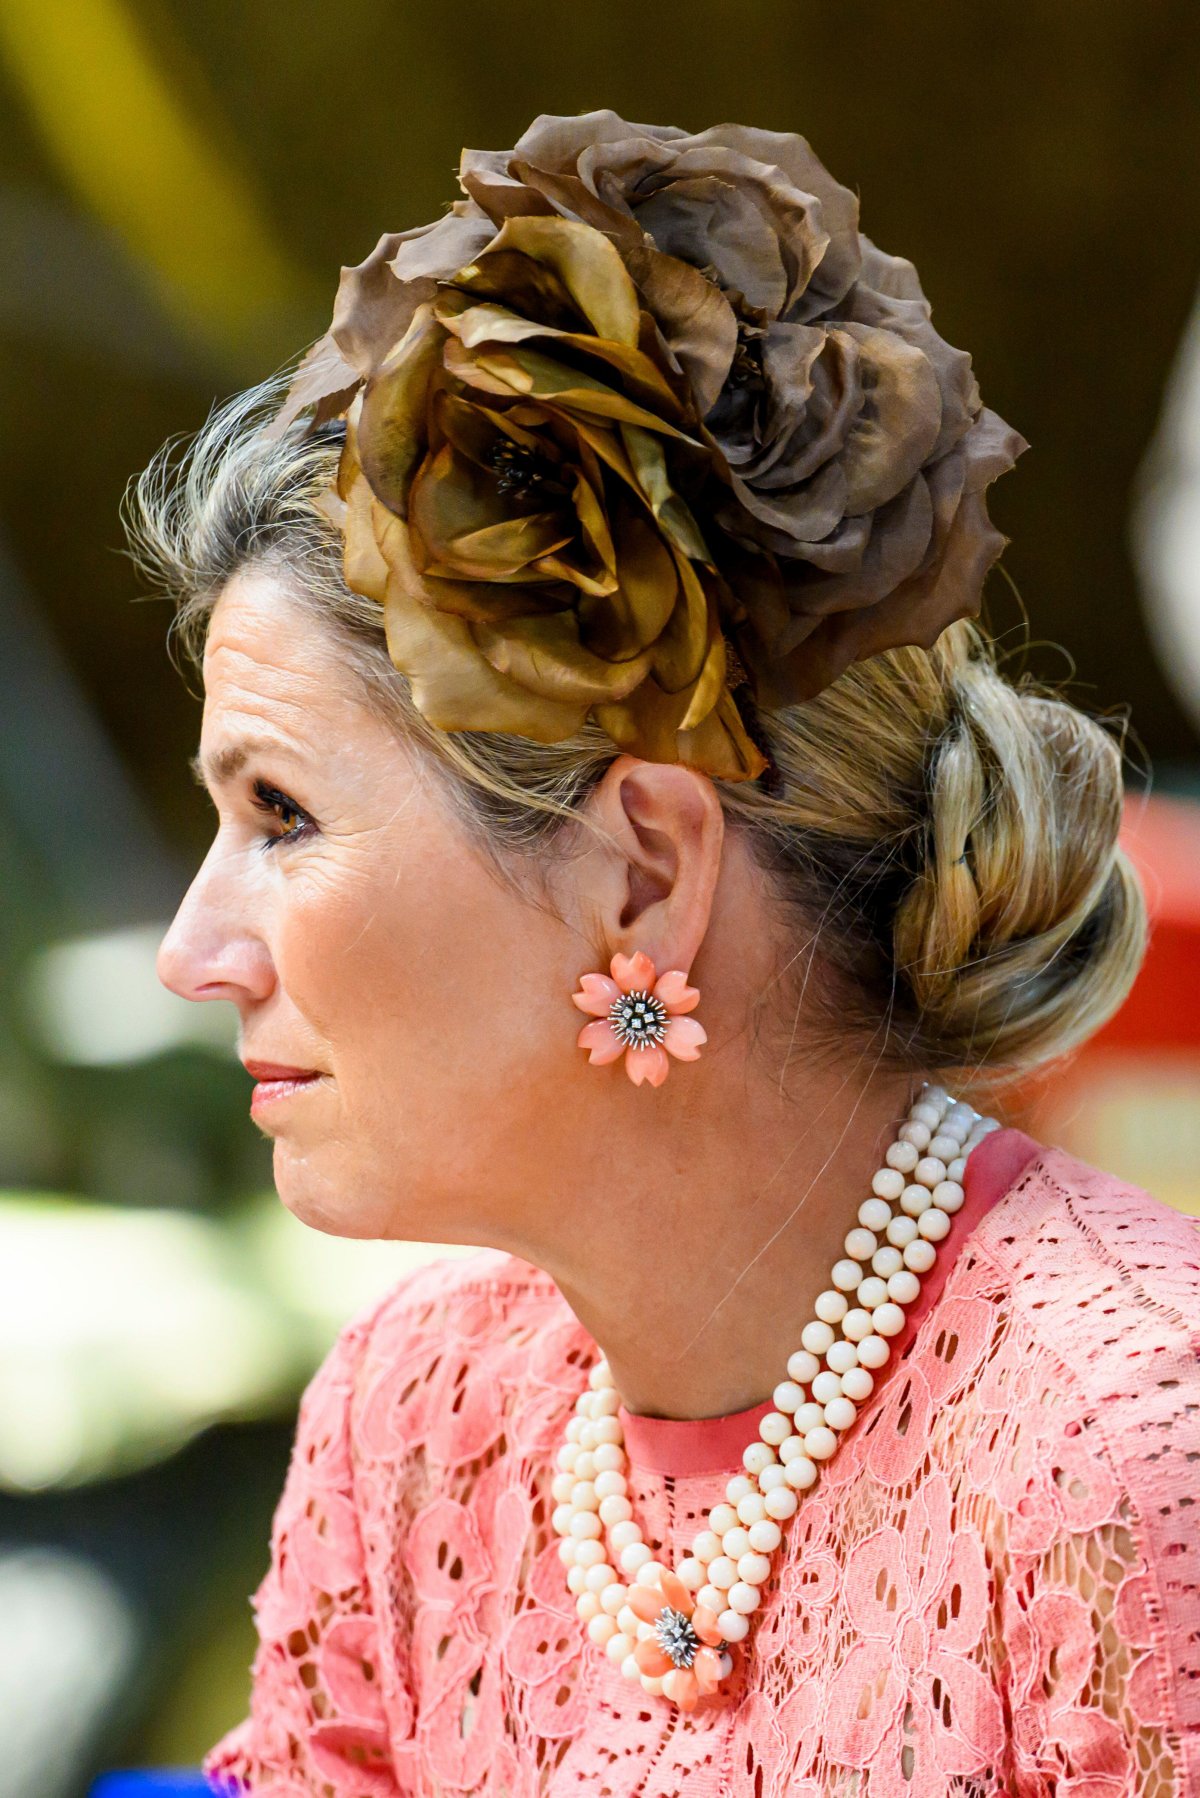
667,830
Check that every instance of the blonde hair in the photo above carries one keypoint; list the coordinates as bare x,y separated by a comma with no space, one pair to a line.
942,844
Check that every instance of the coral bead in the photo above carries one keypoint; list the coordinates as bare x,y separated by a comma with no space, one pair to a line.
733,1626
743,1598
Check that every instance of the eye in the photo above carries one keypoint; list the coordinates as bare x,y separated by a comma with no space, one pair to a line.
270,800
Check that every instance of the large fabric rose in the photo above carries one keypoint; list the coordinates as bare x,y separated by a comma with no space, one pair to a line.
512,499
640,398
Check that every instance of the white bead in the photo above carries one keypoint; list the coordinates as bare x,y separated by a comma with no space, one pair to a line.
736,1542
633,1557
873,1352
740,1486
575,1429
599,1577
902,1230
960,1117
915,1199
944,1146
904,1287
841,1413
706,1546
614,1511
768,1479
606,1403
588,1437
873,1214
722,1573
817,1336
841,1355
600,1375
754,1568
608,1430
758,1456
920,1256
903,1156
929,1115
565,1459
712,1598
743,1598
919,1135
802,1366
649,1574
618,1646
858,1384
566,1551
583,1496
790,1449
576,1579
589,1554
588,1606
809,1416
623,1535
750,1509
561,1487
614,1598
781,1503
627,1623
888,1320
871,1292
886,1261
949,1195
845,1275
733,1626
585,1524
775,1428
561,1519
857,1323
653,1687
956,1169
585,1464
766,1536
929,1171
827,1385
610,1485
860,1244
800,1474
692,1572
888,1183
786,1396
933,1094
820,1443
934,1225
830,1306
722,1518
609,1457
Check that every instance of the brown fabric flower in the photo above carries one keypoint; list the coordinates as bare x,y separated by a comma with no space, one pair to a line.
642,398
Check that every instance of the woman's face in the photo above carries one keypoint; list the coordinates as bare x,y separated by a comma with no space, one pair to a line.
363,938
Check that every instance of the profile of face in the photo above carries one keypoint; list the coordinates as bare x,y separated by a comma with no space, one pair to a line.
365,938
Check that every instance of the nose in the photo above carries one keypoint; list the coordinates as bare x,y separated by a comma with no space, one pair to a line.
213,948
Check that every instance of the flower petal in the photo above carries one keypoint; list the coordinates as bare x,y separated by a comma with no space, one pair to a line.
597,993
601,1041
673,991
645,1602
682,1687
651,1659
647,1064
683,1038
707,1670
707,1626
633,973
676,1593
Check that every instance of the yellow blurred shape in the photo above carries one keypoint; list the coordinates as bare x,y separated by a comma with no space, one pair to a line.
126,144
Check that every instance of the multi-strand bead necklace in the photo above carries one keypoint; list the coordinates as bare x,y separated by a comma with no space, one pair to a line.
675,1631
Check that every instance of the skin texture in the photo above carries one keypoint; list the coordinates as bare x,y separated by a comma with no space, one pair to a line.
380,948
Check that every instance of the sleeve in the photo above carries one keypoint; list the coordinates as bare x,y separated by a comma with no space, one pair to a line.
1101,1617
319,1721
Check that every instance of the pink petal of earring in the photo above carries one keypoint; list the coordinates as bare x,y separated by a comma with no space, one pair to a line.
639,1013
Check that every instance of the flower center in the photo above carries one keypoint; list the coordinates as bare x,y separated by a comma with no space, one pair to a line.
676,1637
639,1019
520,470
746,369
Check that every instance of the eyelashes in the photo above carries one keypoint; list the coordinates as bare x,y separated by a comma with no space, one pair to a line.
275,804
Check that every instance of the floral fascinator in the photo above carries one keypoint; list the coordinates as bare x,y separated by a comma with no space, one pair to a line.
644,426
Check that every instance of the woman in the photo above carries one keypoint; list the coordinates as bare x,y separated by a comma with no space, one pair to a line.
590,631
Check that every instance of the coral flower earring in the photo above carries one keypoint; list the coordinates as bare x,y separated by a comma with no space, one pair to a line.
639,1015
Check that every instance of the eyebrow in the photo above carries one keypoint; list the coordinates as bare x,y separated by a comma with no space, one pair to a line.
220,768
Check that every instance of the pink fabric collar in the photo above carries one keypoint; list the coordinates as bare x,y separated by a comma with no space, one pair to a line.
686,1447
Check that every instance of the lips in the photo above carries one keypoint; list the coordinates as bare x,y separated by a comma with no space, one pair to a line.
277,1070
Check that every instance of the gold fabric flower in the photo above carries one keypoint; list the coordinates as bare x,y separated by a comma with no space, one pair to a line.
641,398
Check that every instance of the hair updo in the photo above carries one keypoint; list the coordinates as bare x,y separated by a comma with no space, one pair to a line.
941,845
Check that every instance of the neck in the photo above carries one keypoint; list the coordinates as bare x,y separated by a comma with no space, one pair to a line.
697,1274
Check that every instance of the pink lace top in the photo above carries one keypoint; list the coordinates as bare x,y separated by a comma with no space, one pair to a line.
994,1587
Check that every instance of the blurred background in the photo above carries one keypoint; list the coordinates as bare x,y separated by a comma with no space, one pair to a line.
179,182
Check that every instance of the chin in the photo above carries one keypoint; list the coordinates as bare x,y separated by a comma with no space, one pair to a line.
320,1200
